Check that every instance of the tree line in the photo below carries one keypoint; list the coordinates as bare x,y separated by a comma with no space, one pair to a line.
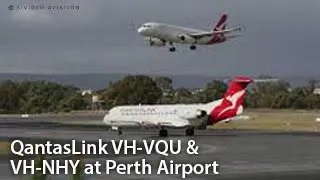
43,96
39,97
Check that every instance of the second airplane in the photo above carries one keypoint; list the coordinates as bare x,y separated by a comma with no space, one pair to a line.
159,34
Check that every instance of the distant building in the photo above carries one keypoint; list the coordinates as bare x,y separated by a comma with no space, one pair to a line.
316,91
97,103
95,99
166,93
86,92
196,91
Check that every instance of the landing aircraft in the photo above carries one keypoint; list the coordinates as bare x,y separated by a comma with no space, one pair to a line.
158,34
188,116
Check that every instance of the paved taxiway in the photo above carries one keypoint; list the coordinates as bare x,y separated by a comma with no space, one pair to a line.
241,154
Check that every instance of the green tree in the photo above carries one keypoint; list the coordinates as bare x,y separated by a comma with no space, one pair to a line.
42,96
296,98
270,94
73,101
165,84
10,96
213,90
137,89
311,85
185,96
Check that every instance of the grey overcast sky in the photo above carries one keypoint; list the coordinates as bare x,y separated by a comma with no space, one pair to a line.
281,37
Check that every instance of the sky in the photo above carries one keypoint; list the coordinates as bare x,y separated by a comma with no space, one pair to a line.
280,38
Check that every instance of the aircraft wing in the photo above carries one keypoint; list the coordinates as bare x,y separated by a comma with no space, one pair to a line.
211,33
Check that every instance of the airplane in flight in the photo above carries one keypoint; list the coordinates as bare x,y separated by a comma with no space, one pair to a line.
159,34
188,116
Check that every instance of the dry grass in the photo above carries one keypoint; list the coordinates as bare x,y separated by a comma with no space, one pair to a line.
277,120
4,148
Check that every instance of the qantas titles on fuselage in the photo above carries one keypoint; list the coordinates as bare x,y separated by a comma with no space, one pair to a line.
144,111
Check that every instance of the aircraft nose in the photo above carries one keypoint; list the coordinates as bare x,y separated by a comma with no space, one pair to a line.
140,30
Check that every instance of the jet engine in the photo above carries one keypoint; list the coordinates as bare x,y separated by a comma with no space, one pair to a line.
156,42
198,114
186,38
201,114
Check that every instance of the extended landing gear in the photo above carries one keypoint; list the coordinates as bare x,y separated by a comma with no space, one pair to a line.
190,131
115,128
120,132
172,48
163,132
193,47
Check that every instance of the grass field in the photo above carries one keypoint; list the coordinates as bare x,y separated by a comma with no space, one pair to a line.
4,148
286,120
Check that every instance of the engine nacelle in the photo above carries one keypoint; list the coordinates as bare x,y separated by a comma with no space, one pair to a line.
156,42
186,38
201,114
198,114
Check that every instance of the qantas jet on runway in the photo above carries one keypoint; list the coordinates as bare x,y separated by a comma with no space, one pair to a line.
181,115
158,34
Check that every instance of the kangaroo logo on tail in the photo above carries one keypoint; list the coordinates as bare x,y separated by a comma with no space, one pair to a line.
222,23
232,101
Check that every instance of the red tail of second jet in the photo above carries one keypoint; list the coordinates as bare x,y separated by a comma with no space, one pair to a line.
220,26
231,104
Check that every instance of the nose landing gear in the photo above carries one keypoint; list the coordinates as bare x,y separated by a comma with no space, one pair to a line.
193,47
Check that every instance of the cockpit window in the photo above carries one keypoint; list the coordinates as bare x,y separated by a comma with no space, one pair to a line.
146,26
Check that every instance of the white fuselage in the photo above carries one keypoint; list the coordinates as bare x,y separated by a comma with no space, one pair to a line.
178,115
173,33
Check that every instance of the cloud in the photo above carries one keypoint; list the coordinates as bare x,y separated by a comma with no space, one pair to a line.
99,38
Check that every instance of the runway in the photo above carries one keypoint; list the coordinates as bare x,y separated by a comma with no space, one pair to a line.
241,154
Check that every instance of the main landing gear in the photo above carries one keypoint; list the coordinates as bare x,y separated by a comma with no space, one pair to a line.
120,132
115,128
173,49
163,132
190,131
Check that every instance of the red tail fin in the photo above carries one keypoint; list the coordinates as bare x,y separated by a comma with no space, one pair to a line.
232,100
222,23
